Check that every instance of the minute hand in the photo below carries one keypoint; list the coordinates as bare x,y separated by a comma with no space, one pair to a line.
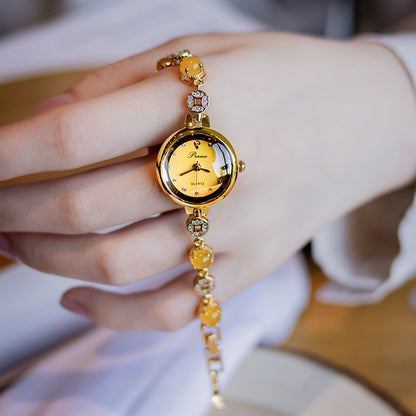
190,170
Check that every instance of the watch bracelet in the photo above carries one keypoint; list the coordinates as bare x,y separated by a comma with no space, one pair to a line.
201,256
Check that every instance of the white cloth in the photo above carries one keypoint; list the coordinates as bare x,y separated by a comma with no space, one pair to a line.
372,251
153,373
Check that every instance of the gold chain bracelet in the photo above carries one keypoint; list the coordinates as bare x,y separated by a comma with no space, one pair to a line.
197,167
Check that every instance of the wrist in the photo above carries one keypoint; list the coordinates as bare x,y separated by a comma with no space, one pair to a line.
378,153
358,127
397,85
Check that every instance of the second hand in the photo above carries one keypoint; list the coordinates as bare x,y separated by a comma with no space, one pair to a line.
196,170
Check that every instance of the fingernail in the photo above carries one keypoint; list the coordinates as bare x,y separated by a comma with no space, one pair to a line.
57,101
6,249
73,306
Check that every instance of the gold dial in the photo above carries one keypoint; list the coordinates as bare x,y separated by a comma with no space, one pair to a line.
197,166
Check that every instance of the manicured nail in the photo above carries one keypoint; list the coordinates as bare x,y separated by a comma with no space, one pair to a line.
54,102
74,307
6,248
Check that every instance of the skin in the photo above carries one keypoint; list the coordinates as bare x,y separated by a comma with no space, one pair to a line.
322,126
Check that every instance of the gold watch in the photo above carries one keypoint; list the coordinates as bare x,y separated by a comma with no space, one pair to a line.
197,167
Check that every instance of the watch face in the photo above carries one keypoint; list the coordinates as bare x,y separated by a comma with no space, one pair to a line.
197,166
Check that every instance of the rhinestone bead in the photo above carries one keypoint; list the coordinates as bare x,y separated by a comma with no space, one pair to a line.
197,226
197,101
204,283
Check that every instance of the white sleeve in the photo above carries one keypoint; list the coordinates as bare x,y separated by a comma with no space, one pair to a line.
372,250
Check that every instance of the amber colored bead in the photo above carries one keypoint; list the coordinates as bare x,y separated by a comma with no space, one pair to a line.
210,314
191,67
201,257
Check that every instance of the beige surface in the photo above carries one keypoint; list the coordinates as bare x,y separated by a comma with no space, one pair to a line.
375,342
281,383
235,408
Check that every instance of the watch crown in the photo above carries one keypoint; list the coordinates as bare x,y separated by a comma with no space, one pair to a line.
241,166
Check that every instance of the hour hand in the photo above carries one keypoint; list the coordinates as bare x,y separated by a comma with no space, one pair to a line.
187,171
205,170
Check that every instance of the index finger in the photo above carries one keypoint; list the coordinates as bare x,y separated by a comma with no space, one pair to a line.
102,127
93,130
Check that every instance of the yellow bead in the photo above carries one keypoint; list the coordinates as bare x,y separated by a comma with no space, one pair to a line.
201,257
210,314
191,67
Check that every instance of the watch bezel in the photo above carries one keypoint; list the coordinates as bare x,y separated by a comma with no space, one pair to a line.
162,168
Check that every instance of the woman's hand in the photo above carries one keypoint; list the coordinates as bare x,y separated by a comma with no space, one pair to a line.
323,127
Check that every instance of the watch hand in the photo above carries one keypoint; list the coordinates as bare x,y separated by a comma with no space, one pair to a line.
190,170
196,170
205,170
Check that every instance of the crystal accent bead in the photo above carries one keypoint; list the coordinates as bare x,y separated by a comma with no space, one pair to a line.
197,226
204,283
197,101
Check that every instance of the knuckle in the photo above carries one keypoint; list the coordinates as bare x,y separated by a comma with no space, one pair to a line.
181,42
34,256
149,189
112,321
169,316
77,210
66,139
113,267
95,82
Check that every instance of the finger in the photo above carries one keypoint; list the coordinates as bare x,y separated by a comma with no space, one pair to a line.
86,201
97,129
90,131
136,68
55,102
168,308
118,258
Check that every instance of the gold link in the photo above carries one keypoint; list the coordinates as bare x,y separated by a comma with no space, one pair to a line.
214,376
190,122
172,59
212,330
215,361
212,351
218,332
212,344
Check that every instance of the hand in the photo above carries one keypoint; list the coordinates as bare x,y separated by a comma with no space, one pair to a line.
323,127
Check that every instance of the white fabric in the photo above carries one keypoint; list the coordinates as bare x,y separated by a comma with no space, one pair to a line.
111,32
109,374
372,251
